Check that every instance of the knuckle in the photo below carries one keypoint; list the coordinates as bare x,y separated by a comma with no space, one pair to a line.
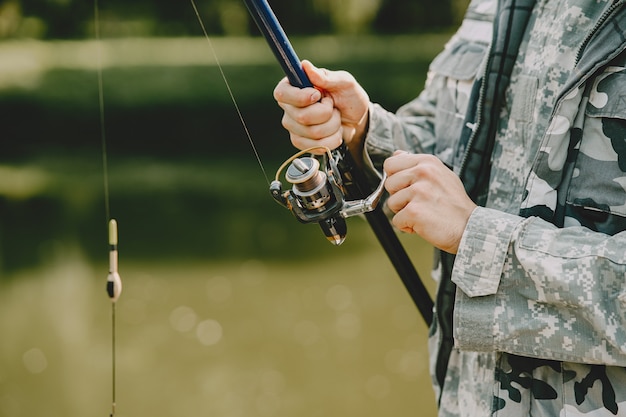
299,142
392,204
300,117
325,130
315,132
423,170
305,116
412,209
286,121
278,93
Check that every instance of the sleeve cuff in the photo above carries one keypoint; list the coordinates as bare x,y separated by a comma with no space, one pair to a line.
483,250
378,146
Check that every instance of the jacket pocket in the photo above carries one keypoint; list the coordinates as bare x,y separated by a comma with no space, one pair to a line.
597,194
454,71
608,95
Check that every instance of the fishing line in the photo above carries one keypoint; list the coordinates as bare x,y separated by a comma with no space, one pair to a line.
114,285
105,164
230,92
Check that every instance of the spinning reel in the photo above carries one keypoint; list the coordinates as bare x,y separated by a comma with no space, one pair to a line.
318,193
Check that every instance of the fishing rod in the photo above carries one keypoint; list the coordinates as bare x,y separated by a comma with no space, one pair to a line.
321,194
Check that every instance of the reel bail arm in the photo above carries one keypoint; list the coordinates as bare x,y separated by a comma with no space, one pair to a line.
318,196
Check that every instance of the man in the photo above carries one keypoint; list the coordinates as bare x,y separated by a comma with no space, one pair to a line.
517,174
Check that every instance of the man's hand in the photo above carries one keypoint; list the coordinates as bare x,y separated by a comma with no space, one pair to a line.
428,199
335,110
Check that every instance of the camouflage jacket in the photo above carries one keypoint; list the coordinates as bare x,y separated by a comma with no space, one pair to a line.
525,103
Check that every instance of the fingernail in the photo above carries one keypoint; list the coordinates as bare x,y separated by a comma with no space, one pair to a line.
316,96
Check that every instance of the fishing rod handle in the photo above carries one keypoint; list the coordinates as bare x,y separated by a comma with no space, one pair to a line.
270,27
275,36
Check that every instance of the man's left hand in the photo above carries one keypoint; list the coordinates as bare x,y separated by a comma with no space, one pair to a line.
428,199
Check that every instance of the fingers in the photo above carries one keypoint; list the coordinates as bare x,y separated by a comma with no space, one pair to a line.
404,169
403,220
312,120
286,94
303,142
316,114
318,124
399,161
413,181
335,110
325,79
428,199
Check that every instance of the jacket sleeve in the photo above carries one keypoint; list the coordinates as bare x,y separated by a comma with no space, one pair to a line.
411,129
529,288
432,122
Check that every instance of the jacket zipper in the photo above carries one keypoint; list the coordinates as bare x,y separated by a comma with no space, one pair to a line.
479,111
616,4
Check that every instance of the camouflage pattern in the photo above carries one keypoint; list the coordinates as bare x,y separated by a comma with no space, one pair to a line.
540,308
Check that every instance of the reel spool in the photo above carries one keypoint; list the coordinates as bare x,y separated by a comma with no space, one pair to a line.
317,195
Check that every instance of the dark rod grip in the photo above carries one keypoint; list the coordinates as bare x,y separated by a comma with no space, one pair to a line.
275,36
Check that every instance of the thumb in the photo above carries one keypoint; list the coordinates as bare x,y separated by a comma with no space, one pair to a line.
319,77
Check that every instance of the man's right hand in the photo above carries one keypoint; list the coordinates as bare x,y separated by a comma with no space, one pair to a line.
335,110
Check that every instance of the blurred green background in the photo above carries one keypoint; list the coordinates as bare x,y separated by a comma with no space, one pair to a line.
230,306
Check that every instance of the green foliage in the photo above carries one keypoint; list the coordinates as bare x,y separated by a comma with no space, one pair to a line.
72,19
160,104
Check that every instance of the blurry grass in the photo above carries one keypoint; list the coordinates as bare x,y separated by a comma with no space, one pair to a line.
249,338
